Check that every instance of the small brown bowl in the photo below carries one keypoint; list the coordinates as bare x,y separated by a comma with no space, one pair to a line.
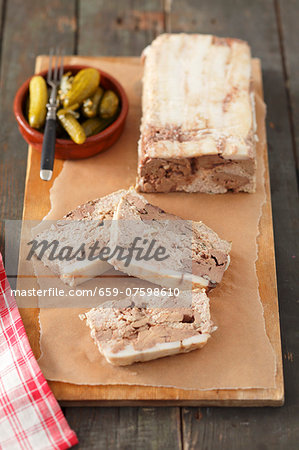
66,148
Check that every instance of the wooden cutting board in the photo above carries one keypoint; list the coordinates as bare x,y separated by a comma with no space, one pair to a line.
37,205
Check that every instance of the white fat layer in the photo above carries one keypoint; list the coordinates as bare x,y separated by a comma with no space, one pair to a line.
156,274
82,271
130,355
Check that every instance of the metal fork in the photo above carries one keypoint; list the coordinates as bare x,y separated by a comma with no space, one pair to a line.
48,150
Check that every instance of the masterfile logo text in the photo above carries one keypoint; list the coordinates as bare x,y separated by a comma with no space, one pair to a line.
139,250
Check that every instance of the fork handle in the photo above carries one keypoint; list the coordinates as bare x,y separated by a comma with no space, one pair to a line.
48,150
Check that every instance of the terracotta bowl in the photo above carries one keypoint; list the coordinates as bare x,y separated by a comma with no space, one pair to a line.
66,148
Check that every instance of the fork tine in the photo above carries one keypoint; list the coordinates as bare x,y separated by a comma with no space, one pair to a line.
61,65
56,65
49,76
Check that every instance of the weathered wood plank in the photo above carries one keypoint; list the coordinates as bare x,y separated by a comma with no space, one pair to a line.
30,28
287,12
114,28
238,429
255,21
126,428
2,15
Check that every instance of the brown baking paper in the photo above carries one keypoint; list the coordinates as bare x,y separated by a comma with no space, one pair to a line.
239,354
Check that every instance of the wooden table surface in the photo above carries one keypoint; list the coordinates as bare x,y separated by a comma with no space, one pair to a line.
124,28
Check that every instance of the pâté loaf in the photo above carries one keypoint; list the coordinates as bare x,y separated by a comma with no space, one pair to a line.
198,128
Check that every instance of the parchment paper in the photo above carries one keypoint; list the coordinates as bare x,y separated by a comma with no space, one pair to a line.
239,354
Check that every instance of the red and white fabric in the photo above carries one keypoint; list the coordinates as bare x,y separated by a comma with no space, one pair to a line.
30,417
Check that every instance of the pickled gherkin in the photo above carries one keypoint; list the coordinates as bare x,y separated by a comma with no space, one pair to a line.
95,125
71,126
86,108
38,98
91,105
109,105
83,86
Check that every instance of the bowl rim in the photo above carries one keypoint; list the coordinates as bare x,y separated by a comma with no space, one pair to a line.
68,143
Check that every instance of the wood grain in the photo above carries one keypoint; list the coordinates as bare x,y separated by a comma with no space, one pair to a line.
287,19
2,18
126,428
118,28
35,206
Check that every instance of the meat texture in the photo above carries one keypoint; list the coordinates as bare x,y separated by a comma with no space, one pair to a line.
198,127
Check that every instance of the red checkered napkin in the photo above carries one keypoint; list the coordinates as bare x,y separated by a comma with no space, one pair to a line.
30,417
